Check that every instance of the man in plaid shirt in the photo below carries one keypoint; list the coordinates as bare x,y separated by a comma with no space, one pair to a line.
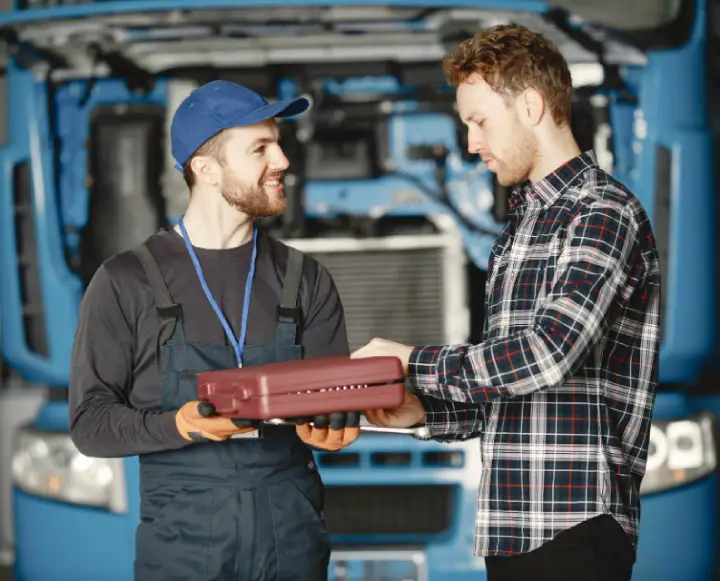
561,389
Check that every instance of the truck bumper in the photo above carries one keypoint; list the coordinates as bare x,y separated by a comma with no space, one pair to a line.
64,542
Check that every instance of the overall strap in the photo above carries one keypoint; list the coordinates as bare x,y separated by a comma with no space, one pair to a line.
170,313
289,311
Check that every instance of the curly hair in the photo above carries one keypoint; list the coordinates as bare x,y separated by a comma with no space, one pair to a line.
511,58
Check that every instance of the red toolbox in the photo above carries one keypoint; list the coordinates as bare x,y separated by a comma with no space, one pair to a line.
306,387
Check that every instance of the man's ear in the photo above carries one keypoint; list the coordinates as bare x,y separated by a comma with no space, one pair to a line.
206,170
531,107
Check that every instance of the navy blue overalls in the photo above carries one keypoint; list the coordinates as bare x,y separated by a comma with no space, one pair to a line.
245,509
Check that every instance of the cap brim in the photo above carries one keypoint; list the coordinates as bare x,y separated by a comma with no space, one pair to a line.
291,108
288,108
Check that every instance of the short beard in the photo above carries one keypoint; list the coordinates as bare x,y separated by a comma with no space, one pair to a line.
517,166
253,200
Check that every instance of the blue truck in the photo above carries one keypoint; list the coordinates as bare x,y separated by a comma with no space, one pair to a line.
383,191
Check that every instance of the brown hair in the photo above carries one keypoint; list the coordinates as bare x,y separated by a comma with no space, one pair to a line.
512,58
213,147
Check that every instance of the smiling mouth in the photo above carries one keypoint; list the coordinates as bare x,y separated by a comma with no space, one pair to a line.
275,182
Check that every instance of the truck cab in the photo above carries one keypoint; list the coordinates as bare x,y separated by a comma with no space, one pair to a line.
383,192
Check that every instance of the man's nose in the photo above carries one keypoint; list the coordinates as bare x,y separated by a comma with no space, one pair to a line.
280,161
476,143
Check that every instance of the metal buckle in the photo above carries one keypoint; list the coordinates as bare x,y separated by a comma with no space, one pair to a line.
288,314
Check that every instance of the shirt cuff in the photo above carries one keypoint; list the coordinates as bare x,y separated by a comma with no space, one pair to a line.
422,369
440,421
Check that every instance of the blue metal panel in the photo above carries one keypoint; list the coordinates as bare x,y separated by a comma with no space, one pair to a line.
53,417
63,541
112,7
679,534
29,140
690,279
707,402
674,115
672,405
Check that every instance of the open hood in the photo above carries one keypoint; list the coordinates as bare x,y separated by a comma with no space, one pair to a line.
620,14
161,36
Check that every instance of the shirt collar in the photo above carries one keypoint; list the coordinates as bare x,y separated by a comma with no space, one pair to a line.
547,190
552,186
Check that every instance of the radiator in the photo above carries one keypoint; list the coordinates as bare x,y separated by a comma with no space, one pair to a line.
410,288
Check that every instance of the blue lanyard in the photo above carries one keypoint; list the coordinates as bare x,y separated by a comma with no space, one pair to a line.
238,344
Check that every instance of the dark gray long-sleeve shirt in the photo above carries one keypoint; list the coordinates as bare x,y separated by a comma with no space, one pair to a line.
115,386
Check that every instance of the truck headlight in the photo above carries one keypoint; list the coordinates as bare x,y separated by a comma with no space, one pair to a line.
48,464
680,452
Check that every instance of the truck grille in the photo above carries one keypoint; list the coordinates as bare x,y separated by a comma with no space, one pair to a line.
408,289
388,510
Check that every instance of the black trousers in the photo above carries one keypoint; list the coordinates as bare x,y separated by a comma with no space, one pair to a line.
596,550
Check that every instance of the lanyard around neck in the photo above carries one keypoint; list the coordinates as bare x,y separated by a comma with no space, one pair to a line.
238,344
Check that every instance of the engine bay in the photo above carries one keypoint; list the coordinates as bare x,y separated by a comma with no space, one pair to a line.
380,151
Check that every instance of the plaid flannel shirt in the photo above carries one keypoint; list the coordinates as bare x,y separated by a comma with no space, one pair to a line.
560,391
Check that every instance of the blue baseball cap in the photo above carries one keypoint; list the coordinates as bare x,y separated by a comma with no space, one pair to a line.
219,105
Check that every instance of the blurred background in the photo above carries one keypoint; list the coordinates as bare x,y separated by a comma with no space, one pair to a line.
383,192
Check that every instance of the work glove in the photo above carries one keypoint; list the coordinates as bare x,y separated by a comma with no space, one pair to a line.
334,421
194,426
330,432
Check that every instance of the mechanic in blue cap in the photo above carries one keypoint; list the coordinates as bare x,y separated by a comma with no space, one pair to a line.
220,499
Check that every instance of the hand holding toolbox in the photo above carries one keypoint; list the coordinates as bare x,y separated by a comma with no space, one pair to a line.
193,426
303,388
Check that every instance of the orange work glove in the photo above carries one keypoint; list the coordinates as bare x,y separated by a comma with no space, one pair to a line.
329,432
193,426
